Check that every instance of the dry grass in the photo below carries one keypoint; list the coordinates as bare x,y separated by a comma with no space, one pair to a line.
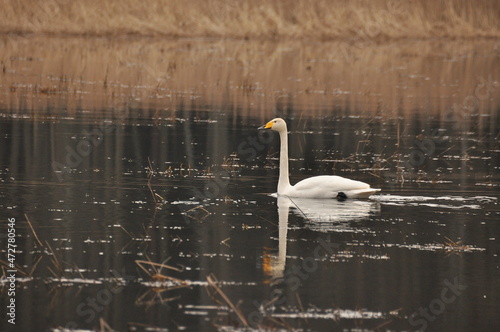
159,76
256,18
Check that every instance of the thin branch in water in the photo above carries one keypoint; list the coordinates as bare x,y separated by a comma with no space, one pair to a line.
6,266
128,233
300,303
212,282
140,262
55,260
298,208
33,231
150,176
224,242
35,265
274,224
53,273
104,327
157,276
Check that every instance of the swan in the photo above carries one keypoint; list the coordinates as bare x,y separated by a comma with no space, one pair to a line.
322,186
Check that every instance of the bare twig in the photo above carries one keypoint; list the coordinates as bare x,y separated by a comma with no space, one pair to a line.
300,304
224,242
375,175
35,265
140,262
157,276
212,282
55,260
380,326
104,327
272,223
128,233
33,231
150,176
53,273
19,268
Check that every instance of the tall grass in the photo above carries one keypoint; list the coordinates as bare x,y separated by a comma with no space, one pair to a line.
251,78
319,19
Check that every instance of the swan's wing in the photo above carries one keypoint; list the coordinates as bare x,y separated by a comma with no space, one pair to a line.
332,182
328,186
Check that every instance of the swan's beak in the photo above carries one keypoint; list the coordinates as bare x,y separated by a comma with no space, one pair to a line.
268,125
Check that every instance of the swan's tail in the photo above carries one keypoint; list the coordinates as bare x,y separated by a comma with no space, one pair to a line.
361,193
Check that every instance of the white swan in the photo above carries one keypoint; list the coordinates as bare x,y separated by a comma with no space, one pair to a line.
323,186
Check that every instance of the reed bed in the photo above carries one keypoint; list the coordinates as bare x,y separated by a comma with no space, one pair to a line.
321,19
41,75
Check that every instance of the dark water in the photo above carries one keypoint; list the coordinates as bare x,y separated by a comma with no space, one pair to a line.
424,254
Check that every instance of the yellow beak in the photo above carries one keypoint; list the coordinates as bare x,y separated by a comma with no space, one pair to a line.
268,125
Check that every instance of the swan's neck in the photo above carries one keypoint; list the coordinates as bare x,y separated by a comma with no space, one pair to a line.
283,182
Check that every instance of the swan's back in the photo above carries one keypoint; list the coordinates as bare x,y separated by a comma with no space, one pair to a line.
329,186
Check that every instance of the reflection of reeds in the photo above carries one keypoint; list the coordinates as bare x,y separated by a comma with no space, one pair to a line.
393,79
256,18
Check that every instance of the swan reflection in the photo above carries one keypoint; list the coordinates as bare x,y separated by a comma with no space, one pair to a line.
321,215
327,215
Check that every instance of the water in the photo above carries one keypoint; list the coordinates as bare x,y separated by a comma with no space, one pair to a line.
192,187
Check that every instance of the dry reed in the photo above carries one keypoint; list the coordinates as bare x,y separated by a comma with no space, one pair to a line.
212,282
160,76
156,274
256,18
33,231
104,326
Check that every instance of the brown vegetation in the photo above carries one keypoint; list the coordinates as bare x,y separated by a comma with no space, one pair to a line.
255,78
340,19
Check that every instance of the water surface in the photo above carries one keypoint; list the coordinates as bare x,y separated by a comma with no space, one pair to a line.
190,187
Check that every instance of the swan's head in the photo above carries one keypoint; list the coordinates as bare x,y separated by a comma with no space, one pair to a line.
277,124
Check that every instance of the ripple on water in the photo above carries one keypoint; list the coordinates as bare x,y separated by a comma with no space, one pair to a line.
447,202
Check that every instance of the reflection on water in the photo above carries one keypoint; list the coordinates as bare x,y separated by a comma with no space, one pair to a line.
278,266
432,222
108,177
58,77
320,215
334,216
